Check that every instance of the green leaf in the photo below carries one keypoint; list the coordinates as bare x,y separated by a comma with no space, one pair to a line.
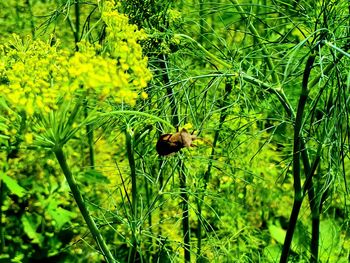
30,227
94,176
300,238
277,233
59,214
12,185
18,258
329,240
272,253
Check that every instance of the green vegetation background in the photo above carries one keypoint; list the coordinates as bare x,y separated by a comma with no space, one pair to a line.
263,84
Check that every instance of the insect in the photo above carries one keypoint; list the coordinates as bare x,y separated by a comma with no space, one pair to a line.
173,142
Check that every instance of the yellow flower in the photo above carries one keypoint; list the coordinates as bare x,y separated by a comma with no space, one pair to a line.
28,137
144,95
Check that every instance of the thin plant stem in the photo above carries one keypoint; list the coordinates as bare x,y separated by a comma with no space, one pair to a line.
135,113
148,190
298,194
309,188
90,137
185,212
206,52
2,236
77,22
223,115
182,175
274,89
131,159
174,120
32,24
170,93
255,33
82,207
201,21
315,217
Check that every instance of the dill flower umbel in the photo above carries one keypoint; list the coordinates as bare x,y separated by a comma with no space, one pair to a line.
36,75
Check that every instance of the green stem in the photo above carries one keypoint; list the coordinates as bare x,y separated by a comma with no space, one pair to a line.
131,159
82,207
314,205
32,24
185,212
309,188
2,236
207,53
291,227
201,21
149,218
90,137
278,91
315,236
77,23
170,93
298,194
182,175
223,115
199,230
131,112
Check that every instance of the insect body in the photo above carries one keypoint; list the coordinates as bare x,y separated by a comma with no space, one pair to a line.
172,143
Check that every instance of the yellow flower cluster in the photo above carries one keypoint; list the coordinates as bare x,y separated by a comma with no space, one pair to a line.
100,76
34,75
122,44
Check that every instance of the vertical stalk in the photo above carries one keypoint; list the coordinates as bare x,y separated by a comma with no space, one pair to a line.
161,198
165,74
298,194
90,136
77,22
2,237
315,235
131,159
32,24
149,218
223,115
82,207
182,175
199,230
201,21
315,211
185,212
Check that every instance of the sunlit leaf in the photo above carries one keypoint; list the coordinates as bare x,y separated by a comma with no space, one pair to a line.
277,233
329,239
94,176
30,227
59,214
272,253
12,185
